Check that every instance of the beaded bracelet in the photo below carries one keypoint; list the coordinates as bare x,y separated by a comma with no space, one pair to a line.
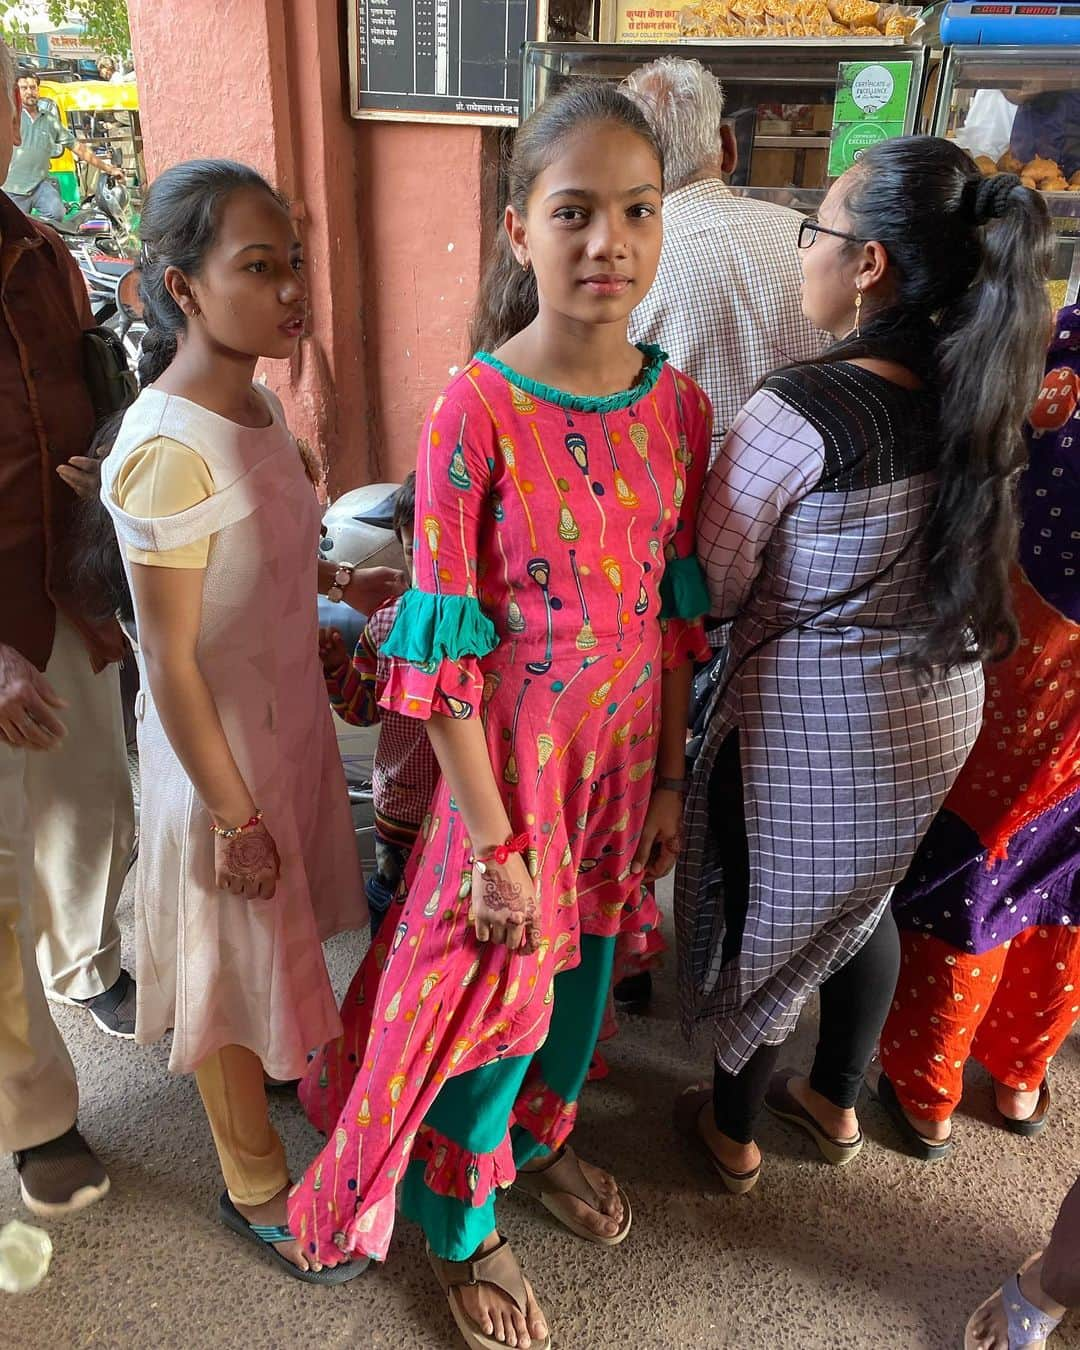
501,853
231,832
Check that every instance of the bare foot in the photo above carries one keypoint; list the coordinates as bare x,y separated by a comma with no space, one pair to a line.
736,1157
605,1221
989,1328
274,1213
838,1123
496,1314
1014,1104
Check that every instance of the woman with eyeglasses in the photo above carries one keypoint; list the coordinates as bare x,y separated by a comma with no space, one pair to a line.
856,532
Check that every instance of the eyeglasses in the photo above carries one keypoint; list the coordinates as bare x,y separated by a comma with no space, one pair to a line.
809,230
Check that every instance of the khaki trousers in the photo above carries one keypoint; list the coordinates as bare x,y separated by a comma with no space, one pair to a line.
233,1090
66,833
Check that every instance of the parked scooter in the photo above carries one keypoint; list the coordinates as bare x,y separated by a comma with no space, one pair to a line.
358,528
100,238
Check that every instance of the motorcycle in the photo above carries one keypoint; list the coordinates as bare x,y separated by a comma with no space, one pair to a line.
101,240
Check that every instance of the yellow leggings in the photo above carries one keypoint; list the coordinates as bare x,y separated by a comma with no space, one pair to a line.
233,1093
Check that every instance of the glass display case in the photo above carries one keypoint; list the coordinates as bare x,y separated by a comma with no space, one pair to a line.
1017,109
781,96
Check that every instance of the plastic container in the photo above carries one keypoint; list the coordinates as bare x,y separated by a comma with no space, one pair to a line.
25,1254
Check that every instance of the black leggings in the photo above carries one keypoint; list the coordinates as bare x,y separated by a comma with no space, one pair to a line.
854,1001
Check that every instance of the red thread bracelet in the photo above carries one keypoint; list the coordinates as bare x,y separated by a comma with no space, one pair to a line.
231,832
517,843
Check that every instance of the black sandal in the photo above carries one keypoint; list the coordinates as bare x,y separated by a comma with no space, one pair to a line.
267,1235
928,1150
1036,1122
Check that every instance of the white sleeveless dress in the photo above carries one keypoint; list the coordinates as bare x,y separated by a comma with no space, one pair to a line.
217,968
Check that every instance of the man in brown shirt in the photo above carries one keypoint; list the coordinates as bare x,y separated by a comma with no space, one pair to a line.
66,821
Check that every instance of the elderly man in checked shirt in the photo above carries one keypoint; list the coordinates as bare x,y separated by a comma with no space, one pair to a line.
725,304
405,770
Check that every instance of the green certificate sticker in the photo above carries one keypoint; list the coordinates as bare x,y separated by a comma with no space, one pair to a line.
871,102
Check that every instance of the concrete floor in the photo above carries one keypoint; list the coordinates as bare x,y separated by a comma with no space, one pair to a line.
888,1253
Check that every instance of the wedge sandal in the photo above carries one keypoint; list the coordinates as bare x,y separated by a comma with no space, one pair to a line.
563,1177
268,1236
500,1269
779,1100
688,1107
1029,1327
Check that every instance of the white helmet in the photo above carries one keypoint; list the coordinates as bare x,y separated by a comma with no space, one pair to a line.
360,530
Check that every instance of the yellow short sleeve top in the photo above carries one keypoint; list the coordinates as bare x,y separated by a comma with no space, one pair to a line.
162,477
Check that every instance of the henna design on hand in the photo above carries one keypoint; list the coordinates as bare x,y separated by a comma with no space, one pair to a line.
503,895
250,854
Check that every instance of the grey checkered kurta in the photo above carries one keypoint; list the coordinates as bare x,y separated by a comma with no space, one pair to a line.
810,534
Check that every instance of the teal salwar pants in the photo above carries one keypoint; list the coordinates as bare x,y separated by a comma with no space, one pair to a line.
473,1109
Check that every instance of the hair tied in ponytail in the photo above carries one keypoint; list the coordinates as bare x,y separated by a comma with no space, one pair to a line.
987,199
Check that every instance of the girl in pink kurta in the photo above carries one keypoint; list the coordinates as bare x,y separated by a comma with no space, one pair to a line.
555,612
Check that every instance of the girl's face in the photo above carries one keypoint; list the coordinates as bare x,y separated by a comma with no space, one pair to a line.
592,232
832,267
250,292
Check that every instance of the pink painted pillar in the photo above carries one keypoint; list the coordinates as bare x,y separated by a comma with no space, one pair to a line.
389,212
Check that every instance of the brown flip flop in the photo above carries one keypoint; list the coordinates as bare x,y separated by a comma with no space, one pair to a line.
688,1107
500,1269
778,1099
563,1177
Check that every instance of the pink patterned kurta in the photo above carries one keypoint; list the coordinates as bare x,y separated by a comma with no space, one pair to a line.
555,523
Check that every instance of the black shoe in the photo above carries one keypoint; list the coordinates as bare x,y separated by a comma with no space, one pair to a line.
634,993
113,1011
61,1176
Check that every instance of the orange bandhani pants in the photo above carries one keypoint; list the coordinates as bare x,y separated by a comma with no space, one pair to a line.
1011,1008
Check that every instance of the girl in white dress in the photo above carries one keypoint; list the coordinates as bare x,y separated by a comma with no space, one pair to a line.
248,858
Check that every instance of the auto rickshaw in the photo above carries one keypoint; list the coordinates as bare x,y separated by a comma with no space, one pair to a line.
105,115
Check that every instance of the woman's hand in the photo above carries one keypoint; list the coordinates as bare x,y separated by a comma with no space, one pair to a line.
332,650
248,863
661,836
505,907
371,587
82,473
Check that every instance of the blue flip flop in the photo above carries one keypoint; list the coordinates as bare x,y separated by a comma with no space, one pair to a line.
266,1235
1027,1324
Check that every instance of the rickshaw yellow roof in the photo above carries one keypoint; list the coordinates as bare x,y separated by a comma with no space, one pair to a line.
92,95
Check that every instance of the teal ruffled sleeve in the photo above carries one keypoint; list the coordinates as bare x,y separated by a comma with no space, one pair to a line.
434,649
684,595
683,592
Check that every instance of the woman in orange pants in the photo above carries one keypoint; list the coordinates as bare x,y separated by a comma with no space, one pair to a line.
990,910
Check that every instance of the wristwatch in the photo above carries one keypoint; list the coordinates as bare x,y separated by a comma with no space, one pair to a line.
342,577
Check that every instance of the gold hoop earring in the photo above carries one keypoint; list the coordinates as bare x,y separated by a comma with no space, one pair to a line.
858,310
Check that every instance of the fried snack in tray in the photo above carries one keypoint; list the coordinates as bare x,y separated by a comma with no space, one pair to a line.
855,13
987,167
1059,184
1074,182
901,25
814,16
1041,171
796,18
1008,163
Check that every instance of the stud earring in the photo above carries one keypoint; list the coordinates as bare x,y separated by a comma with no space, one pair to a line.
526,264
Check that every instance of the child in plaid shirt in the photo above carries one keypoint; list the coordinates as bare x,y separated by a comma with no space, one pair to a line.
406,770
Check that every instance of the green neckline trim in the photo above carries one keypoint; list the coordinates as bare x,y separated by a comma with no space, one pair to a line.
603,403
